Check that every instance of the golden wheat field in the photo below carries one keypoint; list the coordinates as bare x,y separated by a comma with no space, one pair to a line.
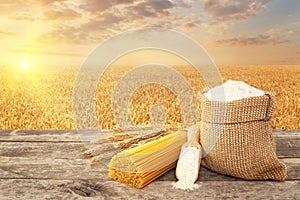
41,98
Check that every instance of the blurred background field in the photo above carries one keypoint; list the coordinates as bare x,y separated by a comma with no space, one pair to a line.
41,98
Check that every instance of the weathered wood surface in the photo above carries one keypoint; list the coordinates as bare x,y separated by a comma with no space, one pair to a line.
50,165
65,189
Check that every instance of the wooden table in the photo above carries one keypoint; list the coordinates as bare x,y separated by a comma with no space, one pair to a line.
50,165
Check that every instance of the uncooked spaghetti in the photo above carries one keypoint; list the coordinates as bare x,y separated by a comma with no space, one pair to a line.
139,166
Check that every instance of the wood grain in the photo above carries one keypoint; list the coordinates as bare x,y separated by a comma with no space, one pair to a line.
50,165
38,150
65,189
288,144
71,168
51,135
49,168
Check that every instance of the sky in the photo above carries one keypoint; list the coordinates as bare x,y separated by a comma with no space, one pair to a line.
233,32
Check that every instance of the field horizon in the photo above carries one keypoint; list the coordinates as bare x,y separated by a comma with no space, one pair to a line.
41,97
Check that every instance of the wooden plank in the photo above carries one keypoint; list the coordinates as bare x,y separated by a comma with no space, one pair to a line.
51,135
24,164
286,132
288,142
64,189
287,145
42,149
19,156
50,168
60,135
293,168
36,135
74,150
74,135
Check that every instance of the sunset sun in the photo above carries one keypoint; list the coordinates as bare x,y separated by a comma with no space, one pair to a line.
24,65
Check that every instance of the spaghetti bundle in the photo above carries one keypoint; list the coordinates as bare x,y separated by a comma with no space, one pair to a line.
139,166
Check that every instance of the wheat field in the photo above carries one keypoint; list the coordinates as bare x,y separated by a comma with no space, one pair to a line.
41,98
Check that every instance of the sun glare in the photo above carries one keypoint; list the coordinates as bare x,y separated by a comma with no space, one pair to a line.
24,66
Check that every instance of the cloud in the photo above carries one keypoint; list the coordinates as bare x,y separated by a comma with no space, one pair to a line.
157,5
251,41
294,32
162,24
31,10
275,31
99,25
226,10
25,16
36,49
85,33
217,32
214,24
42,2
106,20
151,8
280,31
183,3
62,14
6,34
296,23
98,20
64,34
24,3
43,52
96,6
189,25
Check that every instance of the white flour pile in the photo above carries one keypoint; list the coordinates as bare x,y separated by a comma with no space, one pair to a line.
233,90
187,169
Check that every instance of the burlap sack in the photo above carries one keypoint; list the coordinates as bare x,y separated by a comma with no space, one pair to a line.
237,138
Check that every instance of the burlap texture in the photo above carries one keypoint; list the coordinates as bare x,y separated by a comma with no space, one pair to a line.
237,138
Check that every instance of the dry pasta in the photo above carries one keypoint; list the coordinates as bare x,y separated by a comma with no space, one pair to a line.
139,166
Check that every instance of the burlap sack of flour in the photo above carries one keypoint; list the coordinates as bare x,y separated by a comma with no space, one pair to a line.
237,138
